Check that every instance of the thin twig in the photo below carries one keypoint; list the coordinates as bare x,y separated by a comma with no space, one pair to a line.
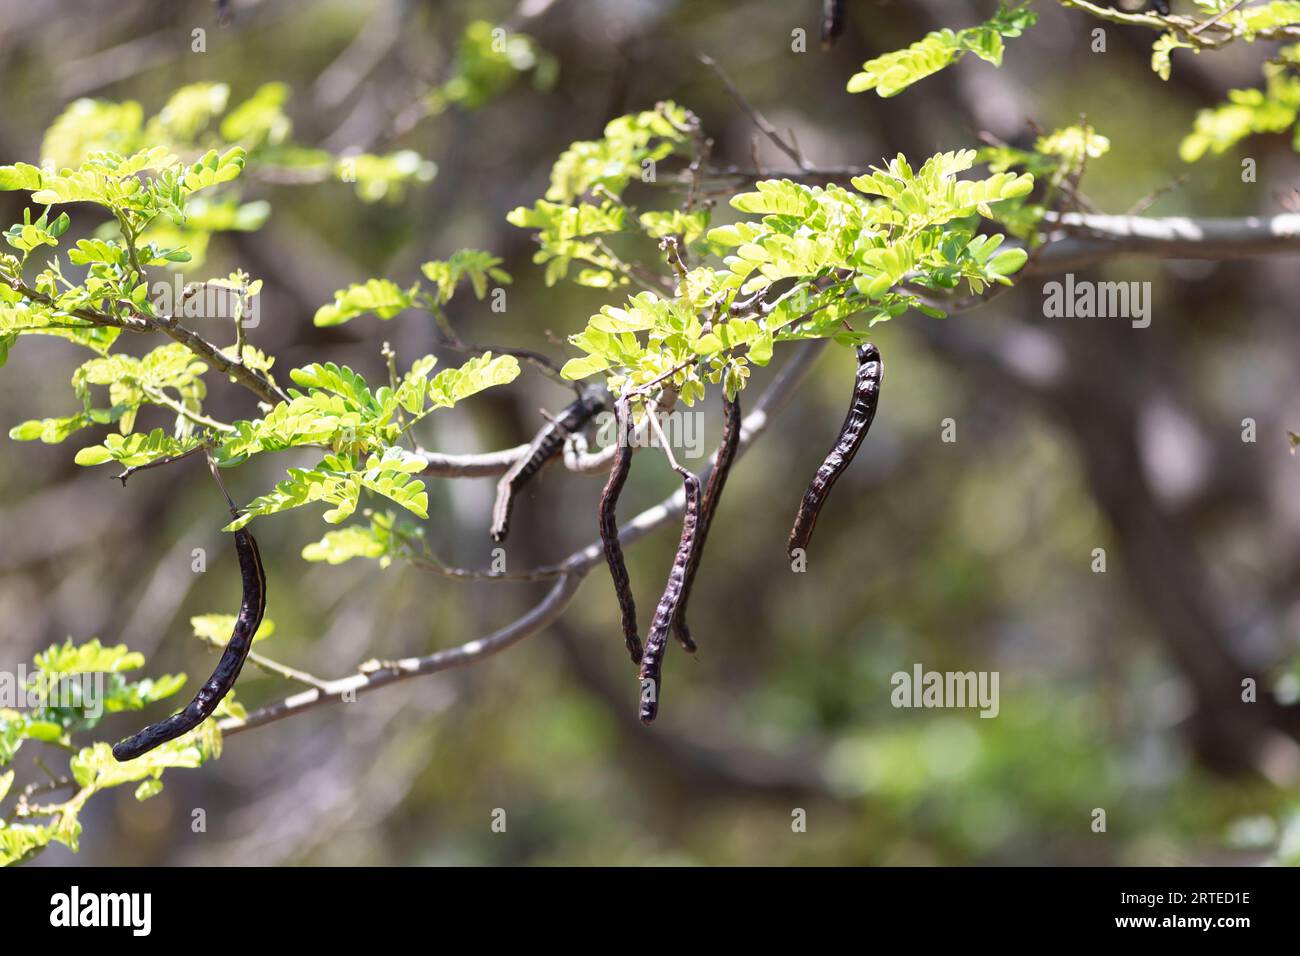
431,563
652,413
158,463
254,381
1206,24
790,149
1147,201
270,666
539,361
162,398
216,475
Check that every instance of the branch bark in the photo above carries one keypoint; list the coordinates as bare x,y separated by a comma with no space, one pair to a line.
1089,238
381,674
255,382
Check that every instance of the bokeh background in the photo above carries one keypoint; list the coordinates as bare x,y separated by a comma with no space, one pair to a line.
1119,690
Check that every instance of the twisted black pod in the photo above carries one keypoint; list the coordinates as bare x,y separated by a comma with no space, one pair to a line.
656,641
228,668
866,395
712,494
546,444
608,521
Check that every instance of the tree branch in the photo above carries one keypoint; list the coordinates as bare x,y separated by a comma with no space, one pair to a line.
382,674
255,382
1208,34
272,666
488,464
790,148
1090,238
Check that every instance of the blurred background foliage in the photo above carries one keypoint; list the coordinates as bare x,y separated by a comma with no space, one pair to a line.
974,555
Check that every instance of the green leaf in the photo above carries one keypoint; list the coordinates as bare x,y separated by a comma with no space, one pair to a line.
384,177
1162,51
579,368
775,198
20,842
135,449
214,169
380,296
63,660
96,767
89,126
354,541
216,628
1009,262
20,176
260,119
1075,144
90,251
338,481
189,111
149,788
611,162
484,371
894,72
488,60
51,431
1247,112
125,695
472,264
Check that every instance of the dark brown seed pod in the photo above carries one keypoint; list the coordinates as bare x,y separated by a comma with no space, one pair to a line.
609,529
866,395
832,21
712,493
228,668
546,444
657,640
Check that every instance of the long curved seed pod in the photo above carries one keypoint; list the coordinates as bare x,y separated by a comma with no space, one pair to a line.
609,529
866,395
657,640
228,668
546,444
712,492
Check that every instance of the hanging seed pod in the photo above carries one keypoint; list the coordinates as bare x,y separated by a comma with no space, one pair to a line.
546,444
609,529
866,395
227,671
712,493
666,612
